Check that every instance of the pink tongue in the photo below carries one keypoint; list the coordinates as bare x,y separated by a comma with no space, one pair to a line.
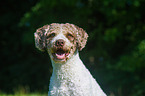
60,55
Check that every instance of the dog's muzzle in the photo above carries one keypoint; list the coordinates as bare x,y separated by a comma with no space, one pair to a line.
60,53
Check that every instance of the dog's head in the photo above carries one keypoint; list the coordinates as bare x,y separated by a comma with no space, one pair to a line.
60,40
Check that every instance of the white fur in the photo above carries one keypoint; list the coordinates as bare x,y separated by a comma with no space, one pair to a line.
72,78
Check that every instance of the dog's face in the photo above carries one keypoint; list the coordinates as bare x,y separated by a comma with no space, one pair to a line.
60,40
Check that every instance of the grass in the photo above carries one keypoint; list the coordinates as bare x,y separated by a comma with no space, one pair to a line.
29,94
23,91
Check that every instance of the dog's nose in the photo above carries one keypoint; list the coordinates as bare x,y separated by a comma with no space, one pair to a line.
59,42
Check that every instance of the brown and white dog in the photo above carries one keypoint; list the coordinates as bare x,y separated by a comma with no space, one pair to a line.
70,77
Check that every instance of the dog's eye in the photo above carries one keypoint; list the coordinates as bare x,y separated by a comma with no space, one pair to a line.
70,36
51,35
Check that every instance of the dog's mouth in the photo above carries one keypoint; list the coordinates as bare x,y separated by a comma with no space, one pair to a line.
61,54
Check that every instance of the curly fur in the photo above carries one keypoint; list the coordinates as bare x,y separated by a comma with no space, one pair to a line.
41,35
70,77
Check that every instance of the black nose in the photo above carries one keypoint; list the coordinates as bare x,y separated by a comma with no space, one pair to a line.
59,42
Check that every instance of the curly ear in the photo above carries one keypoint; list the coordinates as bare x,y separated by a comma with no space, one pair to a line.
81,38
40,36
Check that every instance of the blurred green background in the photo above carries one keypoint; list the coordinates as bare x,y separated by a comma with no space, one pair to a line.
114,54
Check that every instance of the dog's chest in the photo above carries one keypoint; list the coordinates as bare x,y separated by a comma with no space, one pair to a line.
68,82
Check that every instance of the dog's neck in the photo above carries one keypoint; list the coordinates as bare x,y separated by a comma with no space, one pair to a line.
70,66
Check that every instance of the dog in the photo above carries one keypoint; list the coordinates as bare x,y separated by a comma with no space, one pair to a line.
70,77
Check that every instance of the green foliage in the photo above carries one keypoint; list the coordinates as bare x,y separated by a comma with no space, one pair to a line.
135,60
115,52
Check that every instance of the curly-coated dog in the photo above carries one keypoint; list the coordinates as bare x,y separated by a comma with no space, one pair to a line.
70,77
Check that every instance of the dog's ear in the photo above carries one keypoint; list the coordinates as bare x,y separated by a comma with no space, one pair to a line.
40,36
81,38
